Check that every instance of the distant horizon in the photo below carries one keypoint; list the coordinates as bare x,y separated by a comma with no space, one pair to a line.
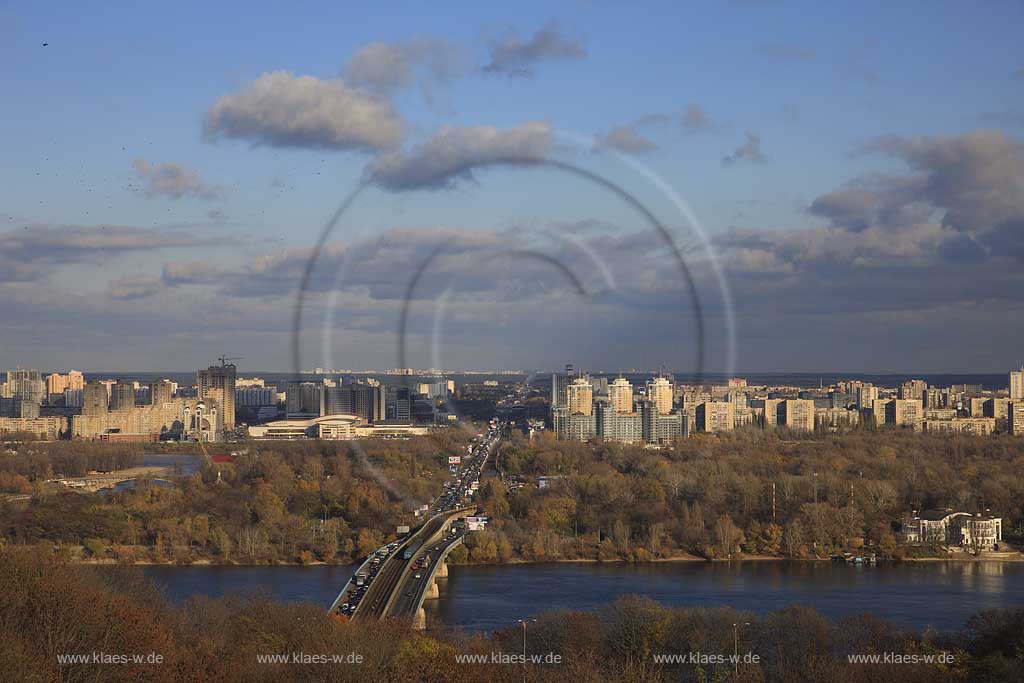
511,371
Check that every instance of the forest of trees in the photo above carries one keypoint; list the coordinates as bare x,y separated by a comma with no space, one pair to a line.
312,501
49,608
741,494
713,496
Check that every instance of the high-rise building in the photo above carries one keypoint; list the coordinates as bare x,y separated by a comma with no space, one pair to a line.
659,390
1017,385
95,398
797,414
580,396
904,412
218,382
161,391
573,427
338,400
255,396
620,393
18,408
123,396
402,404
657,428
73,398
26,384
304,399
1015,418
866,396
559,387
715,416
997,407
913,390
57,383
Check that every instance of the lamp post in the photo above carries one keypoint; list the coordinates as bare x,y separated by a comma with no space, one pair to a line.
736,645
523,622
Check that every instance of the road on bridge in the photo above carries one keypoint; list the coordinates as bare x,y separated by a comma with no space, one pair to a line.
385,592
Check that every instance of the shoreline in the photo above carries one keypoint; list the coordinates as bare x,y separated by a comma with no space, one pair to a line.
1002,557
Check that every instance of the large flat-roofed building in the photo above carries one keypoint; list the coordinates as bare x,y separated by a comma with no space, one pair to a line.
903,412
836,418
181,418
573,427
335,427
614,426
44,428
18,408
797,414
715,416
660,429
964,425
997,407
255,396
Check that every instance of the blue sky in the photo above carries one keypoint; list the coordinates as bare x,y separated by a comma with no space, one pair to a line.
805,88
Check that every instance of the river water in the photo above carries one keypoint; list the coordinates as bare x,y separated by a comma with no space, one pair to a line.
919,595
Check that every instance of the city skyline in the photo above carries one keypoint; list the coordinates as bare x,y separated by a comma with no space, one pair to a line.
180,223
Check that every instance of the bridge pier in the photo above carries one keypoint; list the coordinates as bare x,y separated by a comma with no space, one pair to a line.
419,622
432,593
442,570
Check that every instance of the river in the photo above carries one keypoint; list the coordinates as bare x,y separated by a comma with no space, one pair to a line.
914,594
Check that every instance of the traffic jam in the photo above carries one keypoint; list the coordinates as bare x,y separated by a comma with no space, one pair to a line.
459,491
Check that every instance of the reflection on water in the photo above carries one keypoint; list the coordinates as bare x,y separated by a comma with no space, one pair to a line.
941,595
183,464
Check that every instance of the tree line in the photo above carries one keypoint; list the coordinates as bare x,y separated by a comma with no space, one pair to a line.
310,501
744,493
50,609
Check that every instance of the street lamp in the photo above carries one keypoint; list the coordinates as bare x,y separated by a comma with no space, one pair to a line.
523,622
736,645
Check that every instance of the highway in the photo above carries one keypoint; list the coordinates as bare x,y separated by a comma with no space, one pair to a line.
419,578
388,580
381,588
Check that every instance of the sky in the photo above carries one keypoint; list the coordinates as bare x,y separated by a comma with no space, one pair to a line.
745,186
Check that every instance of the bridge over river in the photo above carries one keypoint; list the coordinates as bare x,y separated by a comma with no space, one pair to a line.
395,580
104,480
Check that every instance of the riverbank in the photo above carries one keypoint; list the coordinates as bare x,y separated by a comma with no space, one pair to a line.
78,555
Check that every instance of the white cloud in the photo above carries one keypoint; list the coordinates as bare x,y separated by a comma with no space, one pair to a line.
173,180
515,57
283,110
451,154
625,139
388,66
